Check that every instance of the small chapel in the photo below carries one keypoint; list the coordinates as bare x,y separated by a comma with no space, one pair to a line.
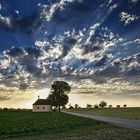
42,105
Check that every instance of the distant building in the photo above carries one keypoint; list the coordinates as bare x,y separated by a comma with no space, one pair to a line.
42,105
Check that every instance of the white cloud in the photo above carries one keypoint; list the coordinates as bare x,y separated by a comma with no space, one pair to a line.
110,1
6,21
134,1
127,18
41,43
16,12
92,31
111,8
136,41
134,65
48,10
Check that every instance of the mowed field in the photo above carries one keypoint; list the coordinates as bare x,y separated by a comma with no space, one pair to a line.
130,113
59,126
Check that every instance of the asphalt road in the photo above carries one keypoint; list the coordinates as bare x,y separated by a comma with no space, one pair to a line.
117,121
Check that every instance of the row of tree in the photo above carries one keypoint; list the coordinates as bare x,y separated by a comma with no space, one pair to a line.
102,104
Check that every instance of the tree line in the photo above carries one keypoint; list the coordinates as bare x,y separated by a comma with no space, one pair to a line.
102,104
15,109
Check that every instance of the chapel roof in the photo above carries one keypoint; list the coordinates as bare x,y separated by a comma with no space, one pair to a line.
42,102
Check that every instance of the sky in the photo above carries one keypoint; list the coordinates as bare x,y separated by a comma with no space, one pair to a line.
93,45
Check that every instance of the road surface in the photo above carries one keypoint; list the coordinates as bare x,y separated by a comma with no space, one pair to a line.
117,121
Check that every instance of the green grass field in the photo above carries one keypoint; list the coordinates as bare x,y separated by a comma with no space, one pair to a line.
131,113
59,126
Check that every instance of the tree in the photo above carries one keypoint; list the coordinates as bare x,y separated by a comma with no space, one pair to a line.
103,104
118,106
59,93
110,106
96,106
71,107
5,109
76,106
89,106
124,105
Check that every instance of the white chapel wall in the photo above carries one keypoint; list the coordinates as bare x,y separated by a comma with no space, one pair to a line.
42,108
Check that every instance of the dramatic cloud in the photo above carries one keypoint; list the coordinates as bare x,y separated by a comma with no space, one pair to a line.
73,40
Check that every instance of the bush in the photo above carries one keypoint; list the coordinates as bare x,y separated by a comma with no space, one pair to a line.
71,107
89,106
5,109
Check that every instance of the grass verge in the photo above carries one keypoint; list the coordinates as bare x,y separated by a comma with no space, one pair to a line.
129,113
